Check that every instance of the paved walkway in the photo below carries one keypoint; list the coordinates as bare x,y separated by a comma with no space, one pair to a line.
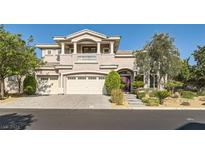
60,102
133,101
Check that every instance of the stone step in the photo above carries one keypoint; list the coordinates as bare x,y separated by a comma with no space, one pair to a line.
131,98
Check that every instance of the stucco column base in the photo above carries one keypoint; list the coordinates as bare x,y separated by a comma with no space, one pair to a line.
60,91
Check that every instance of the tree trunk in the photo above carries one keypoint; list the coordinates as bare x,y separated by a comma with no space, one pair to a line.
19,85
158,80
2,88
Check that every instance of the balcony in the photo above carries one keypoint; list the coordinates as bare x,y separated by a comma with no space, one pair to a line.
86,58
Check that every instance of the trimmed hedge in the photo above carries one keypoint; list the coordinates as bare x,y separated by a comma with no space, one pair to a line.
30,85
117,96
112,81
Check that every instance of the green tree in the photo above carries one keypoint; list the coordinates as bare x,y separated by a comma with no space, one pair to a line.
198,70
30,84
9,44
25,62
159,56
185,72
112,81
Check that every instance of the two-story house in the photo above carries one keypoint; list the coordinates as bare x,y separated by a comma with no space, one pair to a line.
78,63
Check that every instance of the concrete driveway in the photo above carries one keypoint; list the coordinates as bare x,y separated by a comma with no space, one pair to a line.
60,102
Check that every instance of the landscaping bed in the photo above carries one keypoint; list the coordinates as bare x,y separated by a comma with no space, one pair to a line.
183,102
181,98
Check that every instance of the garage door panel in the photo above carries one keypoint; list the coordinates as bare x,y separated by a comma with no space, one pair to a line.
85,85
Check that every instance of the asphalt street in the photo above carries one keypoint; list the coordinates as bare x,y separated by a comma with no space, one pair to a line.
85,119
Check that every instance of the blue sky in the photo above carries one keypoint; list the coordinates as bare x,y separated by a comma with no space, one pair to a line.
187,37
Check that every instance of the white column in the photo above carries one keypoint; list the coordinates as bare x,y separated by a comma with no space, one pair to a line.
75,48
111,47
61,83
62,48
98,47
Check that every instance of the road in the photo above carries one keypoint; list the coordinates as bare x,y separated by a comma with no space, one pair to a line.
68,119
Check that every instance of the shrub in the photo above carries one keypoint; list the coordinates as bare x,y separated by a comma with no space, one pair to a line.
203,104
171,85
188,94
138,84
201,93
29,90
152,93
117,96
162,95
30,81
112,81
141,95
185,104
151,101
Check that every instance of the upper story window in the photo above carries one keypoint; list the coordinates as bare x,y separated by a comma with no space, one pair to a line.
89,49
106,50
71,50
49,52
93,50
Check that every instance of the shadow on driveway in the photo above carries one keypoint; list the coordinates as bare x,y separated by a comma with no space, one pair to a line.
15,121
192,126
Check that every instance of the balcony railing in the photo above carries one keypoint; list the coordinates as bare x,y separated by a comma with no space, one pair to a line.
86,58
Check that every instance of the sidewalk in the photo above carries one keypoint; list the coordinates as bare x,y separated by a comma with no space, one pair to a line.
79,102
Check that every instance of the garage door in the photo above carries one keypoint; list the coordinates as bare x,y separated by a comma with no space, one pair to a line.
48,85
85,84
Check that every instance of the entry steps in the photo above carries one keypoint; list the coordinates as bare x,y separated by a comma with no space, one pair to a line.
132,100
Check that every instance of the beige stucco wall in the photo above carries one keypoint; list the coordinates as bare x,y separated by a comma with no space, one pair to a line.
125,63
50,58
102,59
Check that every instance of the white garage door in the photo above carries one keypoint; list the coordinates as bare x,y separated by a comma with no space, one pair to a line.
48,85
85,84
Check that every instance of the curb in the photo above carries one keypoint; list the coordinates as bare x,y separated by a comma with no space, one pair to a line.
125,108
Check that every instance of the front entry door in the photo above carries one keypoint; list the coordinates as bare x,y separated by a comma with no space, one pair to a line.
126,80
